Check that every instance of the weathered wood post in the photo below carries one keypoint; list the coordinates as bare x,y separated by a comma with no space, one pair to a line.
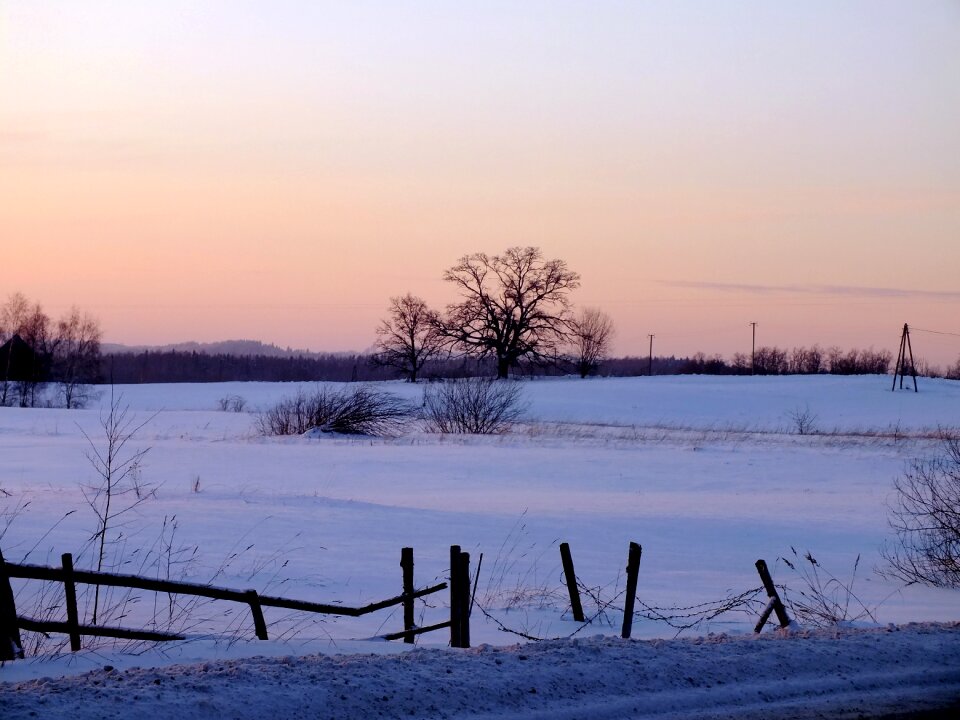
571,577
259,624
455,596
775,604
464,604
70,593
11,646
633,573
406,562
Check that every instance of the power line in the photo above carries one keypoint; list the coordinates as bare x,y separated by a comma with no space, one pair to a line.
935,332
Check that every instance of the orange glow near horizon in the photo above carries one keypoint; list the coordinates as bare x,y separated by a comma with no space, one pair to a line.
227,171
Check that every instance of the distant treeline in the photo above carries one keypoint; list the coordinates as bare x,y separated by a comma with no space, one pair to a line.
771,360
169,366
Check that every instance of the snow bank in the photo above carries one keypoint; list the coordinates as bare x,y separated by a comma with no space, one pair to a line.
803,675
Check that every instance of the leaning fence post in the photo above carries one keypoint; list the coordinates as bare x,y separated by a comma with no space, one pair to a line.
775,604
406,562
455,596
633,572
70,593
11,646
259,624
571,578
464,605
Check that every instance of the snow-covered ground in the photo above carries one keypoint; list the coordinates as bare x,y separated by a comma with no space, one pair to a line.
707,474
827,674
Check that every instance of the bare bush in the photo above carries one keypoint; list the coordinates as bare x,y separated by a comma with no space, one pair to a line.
925,515
359,411
480,406
804,420
953,372
232,403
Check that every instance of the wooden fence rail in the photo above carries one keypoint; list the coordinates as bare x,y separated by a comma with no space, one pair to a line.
11,623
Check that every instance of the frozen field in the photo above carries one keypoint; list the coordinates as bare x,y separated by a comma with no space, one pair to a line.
707,474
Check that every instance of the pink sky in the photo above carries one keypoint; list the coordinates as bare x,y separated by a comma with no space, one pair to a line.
278,170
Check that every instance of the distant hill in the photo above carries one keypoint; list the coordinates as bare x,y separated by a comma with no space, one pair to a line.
222,347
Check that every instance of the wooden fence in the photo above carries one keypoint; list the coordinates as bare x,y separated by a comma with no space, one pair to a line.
461,600
11,623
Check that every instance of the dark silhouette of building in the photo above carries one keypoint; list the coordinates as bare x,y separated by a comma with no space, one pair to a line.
19,362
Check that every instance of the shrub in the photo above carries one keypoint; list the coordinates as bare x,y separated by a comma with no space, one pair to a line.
481,406
232,403
359,411
804,420
925,515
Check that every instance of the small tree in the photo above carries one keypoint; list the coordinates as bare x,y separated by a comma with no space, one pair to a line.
592,333
409,337
118,490
76,357
512,306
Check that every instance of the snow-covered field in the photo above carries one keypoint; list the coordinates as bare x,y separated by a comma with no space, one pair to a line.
707,474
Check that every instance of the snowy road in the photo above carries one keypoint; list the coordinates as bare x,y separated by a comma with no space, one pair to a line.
863,673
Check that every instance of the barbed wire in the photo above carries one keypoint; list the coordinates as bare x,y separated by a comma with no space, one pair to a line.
679,618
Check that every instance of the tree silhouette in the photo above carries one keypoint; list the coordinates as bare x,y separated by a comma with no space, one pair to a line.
592,333
512,306
409,337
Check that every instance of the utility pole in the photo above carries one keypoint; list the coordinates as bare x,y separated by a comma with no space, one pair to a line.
901,368
650,364
753,350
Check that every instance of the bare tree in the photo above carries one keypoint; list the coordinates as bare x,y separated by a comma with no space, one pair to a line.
118,489
925,515
19,317
592,333
409,337
512,306
76,356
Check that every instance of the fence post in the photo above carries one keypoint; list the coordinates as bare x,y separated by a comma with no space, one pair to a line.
406,562
775,604
571,578
11,646
455,596
633,573
259,624
70,593
464,599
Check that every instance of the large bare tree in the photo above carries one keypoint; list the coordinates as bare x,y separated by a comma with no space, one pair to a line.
592,333
409,337
512,306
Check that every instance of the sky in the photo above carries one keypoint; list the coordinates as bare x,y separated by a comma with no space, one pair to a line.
278,170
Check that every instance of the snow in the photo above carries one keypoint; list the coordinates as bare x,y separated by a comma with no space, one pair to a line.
706,473
859,673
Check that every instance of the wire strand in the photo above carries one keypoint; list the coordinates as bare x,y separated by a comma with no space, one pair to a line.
935,332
